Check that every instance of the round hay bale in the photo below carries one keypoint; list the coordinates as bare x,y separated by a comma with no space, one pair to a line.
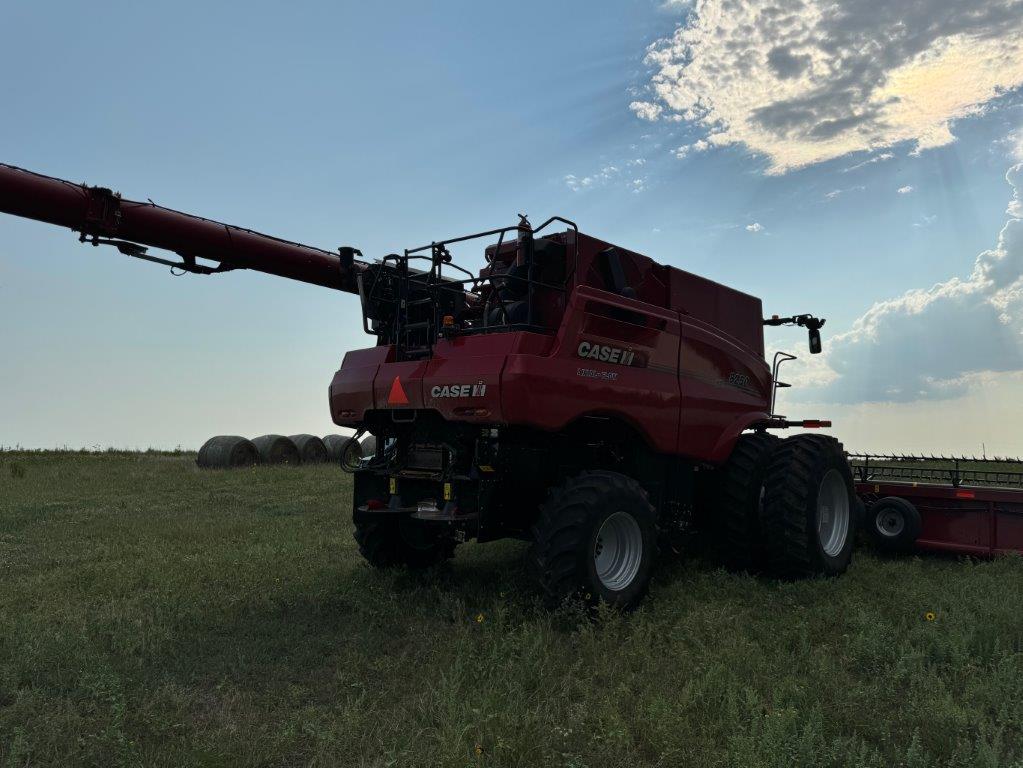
277,449
310,448
369,446
227,452
336,445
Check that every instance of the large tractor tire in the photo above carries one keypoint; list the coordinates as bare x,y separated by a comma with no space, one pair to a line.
277,449
394,542
737,498
809,514
227,452
595,540
310,448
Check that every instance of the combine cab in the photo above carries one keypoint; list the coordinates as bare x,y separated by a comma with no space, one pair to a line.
566,391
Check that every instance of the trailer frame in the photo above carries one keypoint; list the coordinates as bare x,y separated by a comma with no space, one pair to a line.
963,509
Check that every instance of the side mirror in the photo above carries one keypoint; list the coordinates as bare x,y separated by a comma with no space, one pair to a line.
815,341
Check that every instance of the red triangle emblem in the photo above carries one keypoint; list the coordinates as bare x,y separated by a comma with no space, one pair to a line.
397,396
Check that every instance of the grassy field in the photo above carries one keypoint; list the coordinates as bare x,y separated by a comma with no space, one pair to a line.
154,615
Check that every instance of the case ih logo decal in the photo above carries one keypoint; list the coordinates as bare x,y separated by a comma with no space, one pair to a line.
479,389
605,353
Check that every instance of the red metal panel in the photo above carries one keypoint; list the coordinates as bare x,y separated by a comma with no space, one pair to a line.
725,387
463,379
351,390
551,392
1008,526
955,521
409,375
968,520
732,313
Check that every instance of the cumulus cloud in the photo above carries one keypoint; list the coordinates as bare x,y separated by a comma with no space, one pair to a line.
905,190
755,227
803,81
686,149
937,342
646,110
607,175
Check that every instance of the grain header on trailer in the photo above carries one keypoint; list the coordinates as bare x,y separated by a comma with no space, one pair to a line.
571,393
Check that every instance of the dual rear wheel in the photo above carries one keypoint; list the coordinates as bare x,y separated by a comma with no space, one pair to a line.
787,507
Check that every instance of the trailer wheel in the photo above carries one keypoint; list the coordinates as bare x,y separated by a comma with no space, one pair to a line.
739,492
595,539
393,542
808,517
893,524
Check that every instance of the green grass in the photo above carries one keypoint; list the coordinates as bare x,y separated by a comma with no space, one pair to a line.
152,614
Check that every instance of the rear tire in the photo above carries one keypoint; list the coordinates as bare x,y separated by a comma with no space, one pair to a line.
893,524
738,497
808,517
392,542
595,539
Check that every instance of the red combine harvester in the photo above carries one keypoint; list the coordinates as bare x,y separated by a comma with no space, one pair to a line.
939,503
570,392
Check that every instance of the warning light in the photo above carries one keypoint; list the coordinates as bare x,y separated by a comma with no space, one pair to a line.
397,395
965,495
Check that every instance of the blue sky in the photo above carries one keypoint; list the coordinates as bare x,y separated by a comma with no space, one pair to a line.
767,157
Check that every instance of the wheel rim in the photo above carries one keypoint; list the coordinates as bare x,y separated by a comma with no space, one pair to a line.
890,522
832,513
618,551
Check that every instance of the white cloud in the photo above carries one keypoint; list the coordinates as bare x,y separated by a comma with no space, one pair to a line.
607,175
697,146
870,161
1015,139
937,342
803,81
925,221
755,227
646,110
839,192
905,190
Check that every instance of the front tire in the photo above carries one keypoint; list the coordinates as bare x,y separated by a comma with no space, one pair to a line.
809,512
595,539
